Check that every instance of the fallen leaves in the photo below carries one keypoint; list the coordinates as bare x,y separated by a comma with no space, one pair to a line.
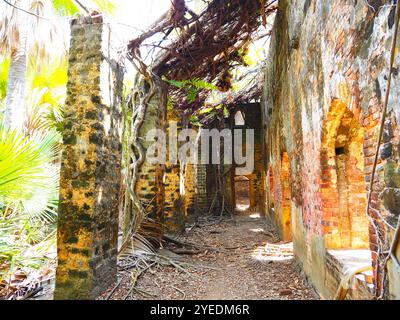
238,276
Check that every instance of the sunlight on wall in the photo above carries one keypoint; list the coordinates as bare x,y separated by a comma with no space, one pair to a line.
273,252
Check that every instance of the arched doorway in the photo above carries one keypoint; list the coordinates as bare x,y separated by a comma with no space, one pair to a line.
286,214
242,193
239,118
270,188
342,181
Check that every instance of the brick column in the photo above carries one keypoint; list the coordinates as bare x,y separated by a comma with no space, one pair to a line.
174,203
91,165
190,190
201,184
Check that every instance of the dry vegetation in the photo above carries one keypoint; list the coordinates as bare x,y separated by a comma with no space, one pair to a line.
233,262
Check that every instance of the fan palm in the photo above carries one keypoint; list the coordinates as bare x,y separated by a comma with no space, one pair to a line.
28,197
46,97
26,170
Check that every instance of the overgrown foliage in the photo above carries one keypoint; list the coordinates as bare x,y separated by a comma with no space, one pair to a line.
28,199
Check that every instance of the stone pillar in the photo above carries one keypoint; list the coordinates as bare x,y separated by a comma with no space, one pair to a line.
91,165
174,203
201,184
149,187
190,190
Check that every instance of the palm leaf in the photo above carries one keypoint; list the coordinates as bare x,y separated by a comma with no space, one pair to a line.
28,198
28,178
65,7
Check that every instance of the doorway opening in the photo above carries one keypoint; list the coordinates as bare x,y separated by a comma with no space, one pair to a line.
242,193
343,181
270,188
286,218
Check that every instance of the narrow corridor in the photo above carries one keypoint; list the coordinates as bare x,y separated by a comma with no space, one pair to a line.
248,262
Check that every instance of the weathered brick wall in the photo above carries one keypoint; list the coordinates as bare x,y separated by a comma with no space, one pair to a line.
181,192
91,165
174,206
325,84
193,191
189,181
201,185
211,186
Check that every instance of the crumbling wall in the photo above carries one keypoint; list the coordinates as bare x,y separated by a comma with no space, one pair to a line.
180,178
324,54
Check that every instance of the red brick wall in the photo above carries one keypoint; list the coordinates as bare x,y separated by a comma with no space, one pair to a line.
326,56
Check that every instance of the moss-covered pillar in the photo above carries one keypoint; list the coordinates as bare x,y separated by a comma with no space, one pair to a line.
91,165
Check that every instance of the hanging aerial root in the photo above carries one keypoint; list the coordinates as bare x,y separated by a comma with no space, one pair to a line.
139,102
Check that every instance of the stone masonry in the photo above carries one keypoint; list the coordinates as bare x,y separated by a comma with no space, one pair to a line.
91,165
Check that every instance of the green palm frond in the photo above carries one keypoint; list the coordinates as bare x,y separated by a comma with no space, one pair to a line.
44,113
65,7
4,67
201,84
28,179
106,6
192,87
28,198
196,83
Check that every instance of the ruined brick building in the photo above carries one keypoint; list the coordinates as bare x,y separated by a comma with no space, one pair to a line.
316,121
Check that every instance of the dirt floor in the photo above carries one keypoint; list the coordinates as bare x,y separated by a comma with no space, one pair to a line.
247,259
